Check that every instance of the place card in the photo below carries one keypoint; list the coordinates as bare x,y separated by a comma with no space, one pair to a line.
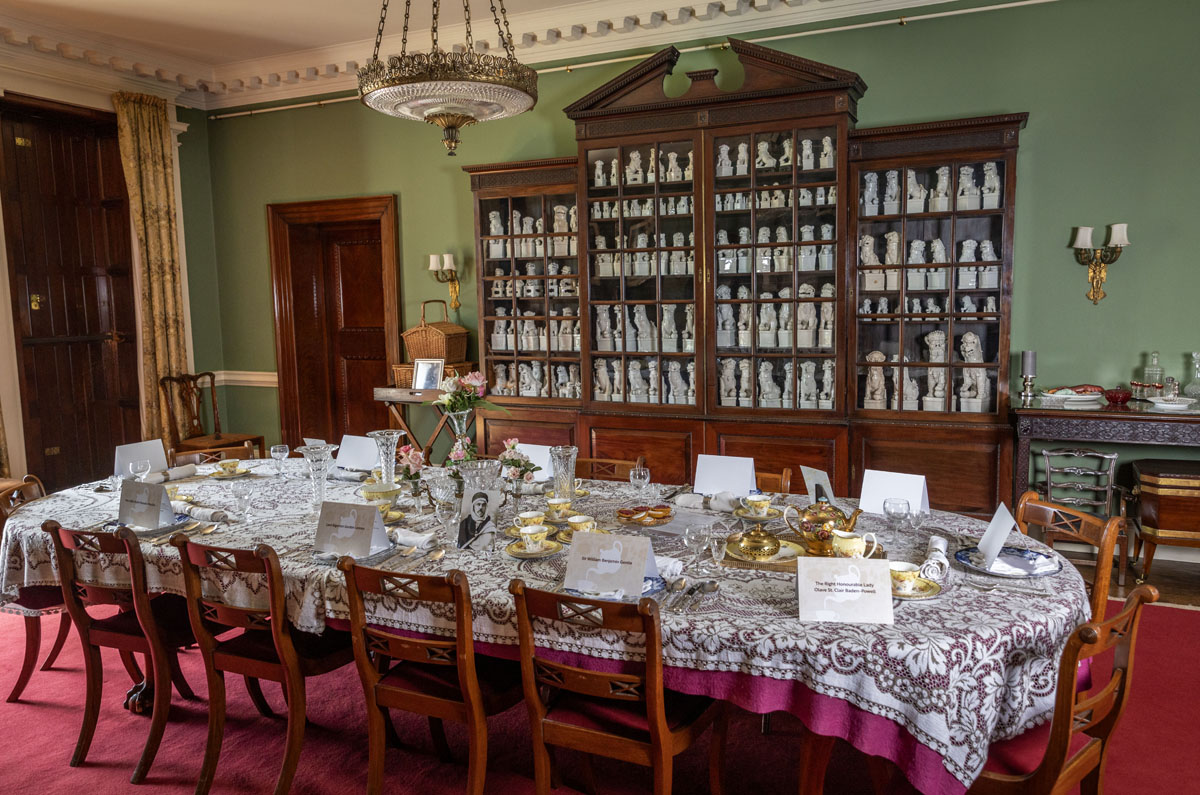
718,473
609,564
313,442
145,505
350,529
878,485
997,533
818,485
539,456
152,451
844,590
357,453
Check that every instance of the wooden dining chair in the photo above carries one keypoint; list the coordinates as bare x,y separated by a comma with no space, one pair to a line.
1075,525
606,468
441,678
1069,752
769,481
244,451
266,647
157,627
34,602
627,716
189,388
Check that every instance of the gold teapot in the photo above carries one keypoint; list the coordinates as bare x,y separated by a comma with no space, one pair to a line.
817,523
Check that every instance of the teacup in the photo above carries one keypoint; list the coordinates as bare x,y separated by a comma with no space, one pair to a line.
581,524
530,518
757,504
229,466
853,545
172,492
559,507
904,576
534,537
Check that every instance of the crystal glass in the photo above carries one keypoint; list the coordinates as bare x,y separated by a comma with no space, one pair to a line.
319,458
1153,374
639,477
917,519
443,490
241,495
140,468
386,441
279,452
459,422
695,538
896,511
563,460
1192,390
717,544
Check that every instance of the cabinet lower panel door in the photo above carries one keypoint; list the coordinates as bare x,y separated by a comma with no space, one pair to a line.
669,446
531,427
774,447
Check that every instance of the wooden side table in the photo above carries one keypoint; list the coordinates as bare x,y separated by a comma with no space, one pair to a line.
397,400
1168,506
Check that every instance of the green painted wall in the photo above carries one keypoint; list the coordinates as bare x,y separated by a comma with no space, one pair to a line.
1110,138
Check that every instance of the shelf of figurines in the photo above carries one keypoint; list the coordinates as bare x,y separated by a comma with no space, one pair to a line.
537,378
923,338
673,206
644,328
885,384
668,165
770,383
775,157
813,197
526,236
640,263
644,379
978,255
933,189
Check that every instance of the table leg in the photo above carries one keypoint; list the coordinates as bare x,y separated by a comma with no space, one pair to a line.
815,750
1021,475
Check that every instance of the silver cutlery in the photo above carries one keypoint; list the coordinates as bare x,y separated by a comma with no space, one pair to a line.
990,587
403,553
704,589
682,598
165,537
669,590
437,553
190,532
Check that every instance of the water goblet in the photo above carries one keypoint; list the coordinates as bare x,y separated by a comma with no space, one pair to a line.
241,495
694,538
639,477
717,545
140,468
279,452
896,511
917,519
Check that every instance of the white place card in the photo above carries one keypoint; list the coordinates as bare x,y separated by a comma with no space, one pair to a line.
717,473
152,451
357,453
539,456
313,442
145,505
607,564
844,590
997,533
818,485
878,485
349,529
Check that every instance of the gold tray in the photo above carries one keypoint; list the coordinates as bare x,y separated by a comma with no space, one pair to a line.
517,550
736,560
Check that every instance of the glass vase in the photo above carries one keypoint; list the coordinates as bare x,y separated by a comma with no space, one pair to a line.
386,441
459,422
563,460
1192,390
319,458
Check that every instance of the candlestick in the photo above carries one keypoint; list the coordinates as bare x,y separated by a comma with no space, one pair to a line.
1029,363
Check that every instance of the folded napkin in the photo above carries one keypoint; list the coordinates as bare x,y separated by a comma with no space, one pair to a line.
723,501
618,594
1014,562
337,473
936,565
174,473
668,567
408,538
199,512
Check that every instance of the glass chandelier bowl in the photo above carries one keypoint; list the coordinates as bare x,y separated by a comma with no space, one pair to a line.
452,89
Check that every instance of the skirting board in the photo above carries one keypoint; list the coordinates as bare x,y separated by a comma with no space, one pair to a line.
246,378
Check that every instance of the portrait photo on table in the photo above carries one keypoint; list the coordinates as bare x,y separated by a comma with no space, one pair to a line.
427,373
476,529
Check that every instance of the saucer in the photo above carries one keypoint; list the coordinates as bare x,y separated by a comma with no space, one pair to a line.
922,589
578,493
567,534
515,532
517,550
550,520
771,515
219,475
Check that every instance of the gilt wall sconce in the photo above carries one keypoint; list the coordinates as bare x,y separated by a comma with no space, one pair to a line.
445,271
1097,260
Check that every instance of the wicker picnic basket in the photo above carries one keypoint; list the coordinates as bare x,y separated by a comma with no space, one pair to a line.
403,373
439,340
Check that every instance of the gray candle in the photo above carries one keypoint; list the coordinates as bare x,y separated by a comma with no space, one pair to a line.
1028,364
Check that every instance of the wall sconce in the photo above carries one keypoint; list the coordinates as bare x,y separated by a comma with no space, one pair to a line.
1097,260
445,271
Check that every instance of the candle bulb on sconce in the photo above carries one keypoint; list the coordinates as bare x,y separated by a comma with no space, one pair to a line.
1097,260
446,272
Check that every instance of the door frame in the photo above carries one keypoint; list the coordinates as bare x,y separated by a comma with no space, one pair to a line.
280,220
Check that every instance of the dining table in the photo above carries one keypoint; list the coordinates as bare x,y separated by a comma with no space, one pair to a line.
974,665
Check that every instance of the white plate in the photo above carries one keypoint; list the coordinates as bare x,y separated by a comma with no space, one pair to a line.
1179,404
332,557
1013,562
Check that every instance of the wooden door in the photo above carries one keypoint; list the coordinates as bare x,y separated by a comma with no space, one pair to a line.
67,232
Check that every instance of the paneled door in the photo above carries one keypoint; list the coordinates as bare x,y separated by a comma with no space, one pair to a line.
68,240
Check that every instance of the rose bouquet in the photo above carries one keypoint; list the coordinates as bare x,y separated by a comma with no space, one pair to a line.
515,464
410,461
464,393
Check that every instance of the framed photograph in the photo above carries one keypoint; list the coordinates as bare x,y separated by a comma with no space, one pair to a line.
476,528
427,373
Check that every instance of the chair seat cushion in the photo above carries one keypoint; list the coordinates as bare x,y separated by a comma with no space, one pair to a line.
316,652
1022,754
499,681
40,597
170,614
624,718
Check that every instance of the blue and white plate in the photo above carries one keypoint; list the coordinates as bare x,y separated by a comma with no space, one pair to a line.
1012,562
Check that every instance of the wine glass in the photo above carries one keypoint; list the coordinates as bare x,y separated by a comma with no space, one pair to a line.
639,477
717,545
694,538
241,495
896,511
917,519
140,468
279,452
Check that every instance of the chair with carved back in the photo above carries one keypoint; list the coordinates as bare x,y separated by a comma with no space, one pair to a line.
244,451
255,642
627,716
1072,524
769,481
35,602
1068,753
189,389
1086,479
439,677
606,468
155,626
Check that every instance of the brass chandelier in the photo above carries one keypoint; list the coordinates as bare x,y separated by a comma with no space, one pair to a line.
449,89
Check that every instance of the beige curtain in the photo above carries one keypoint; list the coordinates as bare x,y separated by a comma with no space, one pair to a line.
147,157
5,471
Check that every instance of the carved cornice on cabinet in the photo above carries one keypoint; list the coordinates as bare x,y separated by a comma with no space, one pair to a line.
978,132
546,171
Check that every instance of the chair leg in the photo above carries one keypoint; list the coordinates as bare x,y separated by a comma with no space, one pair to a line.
814,757
438,733
1151,547
216,728
389,729
256,695
33,646
542,766
94,677
477,755
158,718
131,666
587,773
716,752
881,774
377,721
177,678
664,772
295,734
64,629
1122,558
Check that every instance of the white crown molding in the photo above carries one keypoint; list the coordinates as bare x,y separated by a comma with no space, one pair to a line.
246,378
568,32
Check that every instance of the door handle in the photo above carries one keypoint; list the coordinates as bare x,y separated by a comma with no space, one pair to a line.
118,336
35,302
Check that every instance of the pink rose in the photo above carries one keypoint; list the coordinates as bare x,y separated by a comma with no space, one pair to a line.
457,454
528,477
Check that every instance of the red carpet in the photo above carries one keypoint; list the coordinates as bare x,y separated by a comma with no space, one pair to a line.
1154,750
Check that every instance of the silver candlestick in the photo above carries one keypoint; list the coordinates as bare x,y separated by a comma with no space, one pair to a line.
1027,393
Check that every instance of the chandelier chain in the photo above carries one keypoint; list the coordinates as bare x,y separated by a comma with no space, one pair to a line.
505,38
467,16
379,32
436,9
404,35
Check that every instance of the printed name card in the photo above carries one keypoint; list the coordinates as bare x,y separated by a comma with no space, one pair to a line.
152,451
818,485
145,505
718,473
357,453
539,456
878,486
609,564
997,533
844,590
349,529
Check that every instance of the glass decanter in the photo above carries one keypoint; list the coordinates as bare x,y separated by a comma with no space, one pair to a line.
1153,374
1192,390
562,458
319,458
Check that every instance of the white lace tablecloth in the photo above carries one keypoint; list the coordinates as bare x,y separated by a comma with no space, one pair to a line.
957,672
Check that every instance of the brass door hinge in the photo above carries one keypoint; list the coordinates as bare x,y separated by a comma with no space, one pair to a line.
24,142
49,451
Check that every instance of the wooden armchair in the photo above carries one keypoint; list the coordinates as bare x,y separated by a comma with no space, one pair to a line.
1075,525
769,481
624,716
1068,753
266,648
32,603
606,468
156,627
441,678
212,455
190,387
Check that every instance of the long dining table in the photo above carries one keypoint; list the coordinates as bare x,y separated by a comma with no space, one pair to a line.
930,692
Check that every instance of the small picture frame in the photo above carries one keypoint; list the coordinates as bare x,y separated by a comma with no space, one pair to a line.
427,373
